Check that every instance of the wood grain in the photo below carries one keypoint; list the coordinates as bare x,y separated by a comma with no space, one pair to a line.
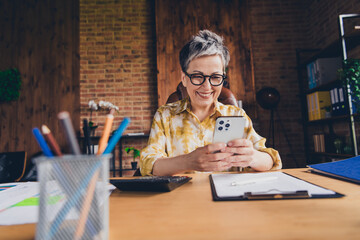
177,21
41,39
189,213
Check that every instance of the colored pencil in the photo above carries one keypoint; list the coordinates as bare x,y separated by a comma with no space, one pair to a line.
51,140
116,137
106,133
42,143
64,118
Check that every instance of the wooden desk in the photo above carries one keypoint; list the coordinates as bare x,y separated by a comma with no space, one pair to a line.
189,213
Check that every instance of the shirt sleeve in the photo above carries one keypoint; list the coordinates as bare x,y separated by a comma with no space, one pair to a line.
259,144
156,146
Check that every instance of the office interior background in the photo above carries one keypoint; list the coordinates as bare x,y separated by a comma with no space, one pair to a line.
125,51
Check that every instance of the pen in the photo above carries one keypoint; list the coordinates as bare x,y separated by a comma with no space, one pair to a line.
253,181
51,140
106,133
69,132
42,143
116,137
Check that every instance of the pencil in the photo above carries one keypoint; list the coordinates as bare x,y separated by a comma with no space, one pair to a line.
116,137
51,140
86,206
106,133
69,132
42,143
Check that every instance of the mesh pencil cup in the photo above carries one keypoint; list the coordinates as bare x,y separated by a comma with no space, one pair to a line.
74,193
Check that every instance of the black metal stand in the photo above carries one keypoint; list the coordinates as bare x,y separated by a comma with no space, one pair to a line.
272,128
272,132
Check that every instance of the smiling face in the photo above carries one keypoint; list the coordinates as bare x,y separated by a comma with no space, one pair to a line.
202,97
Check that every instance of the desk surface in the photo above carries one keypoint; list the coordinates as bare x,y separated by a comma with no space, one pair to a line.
189,213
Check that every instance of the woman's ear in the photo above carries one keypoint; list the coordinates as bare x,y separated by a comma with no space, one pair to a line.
183,79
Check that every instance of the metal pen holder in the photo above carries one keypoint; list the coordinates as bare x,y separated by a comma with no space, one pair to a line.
74,194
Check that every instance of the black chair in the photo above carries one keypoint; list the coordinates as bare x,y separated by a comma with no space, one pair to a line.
12,166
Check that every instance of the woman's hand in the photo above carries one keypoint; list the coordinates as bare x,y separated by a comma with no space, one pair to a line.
244,155
209,158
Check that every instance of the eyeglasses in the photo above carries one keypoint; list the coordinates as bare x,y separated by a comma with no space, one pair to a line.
197,79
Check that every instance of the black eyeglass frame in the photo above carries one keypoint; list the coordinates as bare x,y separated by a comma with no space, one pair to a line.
204,78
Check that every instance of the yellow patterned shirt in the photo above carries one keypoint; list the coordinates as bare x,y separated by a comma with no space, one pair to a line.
176,131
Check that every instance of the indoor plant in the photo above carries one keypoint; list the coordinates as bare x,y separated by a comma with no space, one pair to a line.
102,105
350,75
136,153
10,85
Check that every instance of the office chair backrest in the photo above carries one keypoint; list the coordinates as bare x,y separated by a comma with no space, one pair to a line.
226,96
12,166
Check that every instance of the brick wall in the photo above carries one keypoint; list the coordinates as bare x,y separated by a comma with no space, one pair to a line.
118,59
278,28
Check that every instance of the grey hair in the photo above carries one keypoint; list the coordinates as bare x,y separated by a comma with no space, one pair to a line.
205,43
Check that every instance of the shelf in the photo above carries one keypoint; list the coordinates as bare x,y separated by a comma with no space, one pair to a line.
333,50
348,40
333,119
333,155
328,120
325,87
354,34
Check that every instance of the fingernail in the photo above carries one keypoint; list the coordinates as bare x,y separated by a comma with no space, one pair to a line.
230,144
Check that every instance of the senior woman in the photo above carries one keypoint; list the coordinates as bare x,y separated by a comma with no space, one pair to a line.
182,132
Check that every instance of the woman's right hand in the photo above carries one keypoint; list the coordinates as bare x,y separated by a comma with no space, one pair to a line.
208,158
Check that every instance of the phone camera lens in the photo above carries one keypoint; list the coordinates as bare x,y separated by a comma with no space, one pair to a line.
220,128
227,125
221,122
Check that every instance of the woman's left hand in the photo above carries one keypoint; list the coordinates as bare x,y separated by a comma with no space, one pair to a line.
244,155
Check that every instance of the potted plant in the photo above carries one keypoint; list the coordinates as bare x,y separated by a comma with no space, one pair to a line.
102,105
136,153
350,74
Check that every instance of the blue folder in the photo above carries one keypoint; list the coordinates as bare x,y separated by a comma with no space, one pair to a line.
348,169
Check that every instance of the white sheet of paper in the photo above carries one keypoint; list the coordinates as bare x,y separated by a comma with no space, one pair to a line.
13,215
18,193
282,183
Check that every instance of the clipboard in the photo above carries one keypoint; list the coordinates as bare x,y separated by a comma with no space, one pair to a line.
265,186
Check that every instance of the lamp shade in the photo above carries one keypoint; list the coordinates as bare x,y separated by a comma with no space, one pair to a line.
268,98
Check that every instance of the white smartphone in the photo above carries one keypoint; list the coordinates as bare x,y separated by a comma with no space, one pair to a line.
228,128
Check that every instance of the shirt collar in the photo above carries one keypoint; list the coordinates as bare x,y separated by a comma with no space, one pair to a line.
182,106
185,106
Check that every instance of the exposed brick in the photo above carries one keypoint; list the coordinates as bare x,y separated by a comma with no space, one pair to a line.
118,54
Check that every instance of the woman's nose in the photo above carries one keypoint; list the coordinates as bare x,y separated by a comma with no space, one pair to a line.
206,84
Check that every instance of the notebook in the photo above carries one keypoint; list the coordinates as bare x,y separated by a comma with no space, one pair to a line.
348,169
